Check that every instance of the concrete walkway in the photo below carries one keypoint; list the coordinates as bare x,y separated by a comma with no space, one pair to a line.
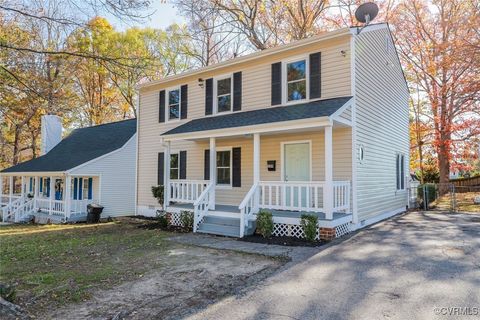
414,266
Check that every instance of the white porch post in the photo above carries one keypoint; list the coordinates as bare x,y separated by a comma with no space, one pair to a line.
213,172
22,191
10,190
1,189
328,189
256,167
52,194
66,195
166,175
36,190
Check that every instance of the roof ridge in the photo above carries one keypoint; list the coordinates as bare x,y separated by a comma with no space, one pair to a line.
105,124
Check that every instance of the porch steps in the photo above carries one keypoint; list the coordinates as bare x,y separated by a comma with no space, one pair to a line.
224,226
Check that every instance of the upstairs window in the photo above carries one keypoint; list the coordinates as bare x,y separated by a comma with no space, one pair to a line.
400,171
296,76
173,104
224,94
174,172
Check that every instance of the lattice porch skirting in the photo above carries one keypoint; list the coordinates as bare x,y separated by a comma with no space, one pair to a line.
295,230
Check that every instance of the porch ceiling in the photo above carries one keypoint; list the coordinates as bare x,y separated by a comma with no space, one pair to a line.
283,118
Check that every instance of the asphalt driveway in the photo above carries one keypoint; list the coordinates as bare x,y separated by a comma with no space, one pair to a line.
415,266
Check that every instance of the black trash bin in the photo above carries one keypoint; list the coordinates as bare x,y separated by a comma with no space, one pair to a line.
93,212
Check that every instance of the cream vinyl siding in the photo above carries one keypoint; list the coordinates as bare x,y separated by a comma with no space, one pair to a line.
270,149
116,181
381,123
256,94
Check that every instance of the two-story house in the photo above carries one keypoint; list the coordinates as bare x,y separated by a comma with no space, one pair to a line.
316,126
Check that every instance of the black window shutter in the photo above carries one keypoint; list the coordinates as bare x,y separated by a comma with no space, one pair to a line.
161,106
183,165
160,168
276,83
397,172
184,101
315,75
208,96
206,165
236,167
402,172
237,91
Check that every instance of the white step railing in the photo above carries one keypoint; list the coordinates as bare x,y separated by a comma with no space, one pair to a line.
9,210
186,191
24,209
295,196
248,207
200,206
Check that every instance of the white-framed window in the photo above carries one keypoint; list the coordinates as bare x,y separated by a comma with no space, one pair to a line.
173,104
295,80
174,166
224,167
223,94
400,171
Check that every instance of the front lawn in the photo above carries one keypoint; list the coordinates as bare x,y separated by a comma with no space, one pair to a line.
56,264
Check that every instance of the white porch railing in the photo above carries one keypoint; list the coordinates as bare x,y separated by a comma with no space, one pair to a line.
186,191
80,206
341,196
302,195
296,196
43,204
248,207
200,206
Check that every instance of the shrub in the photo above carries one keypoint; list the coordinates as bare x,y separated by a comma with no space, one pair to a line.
157,192
265,223
162,219
7,292
309,225
186,220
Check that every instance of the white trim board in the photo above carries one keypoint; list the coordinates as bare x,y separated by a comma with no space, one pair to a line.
262,128
378,218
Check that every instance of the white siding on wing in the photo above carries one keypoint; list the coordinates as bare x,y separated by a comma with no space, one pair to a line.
381,123
117,179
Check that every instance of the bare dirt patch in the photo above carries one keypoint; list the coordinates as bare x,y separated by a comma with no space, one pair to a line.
122,270
189,278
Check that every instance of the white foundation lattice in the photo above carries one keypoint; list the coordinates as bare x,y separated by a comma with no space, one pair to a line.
289,230
175,219
342,230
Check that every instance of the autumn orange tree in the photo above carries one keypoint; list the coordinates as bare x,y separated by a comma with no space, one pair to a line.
438,42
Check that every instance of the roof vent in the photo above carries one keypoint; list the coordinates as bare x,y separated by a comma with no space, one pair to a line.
51,132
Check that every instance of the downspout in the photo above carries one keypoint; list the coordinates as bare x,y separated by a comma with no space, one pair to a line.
354,129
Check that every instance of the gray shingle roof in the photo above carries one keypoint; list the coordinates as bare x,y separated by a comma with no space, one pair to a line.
80,146
314,109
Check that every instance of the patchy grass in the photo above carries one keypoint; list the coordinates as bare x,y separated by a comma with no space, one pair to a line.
55,264
464,202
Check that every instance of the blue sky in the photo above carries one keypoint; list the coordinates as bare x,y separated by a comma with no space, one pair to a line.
164,14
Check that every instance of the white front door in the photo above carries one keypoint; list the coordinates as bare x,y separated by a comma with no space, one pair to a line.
296,168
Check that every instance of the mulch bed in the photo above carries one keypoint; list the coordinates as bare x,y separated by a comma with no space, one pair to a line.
282,241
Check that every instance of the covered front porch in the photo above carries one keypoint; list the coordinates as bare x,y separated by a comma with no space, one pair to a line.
300,183
48,197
